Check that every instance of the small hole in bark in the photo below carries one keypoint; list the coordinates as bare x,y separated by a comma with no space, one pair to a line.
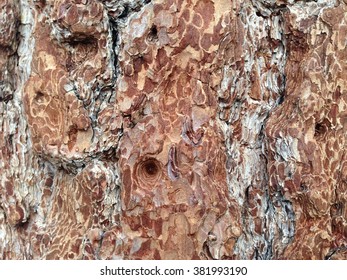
321,128
318,129
153,34
149,172
150,167
39,94
39,97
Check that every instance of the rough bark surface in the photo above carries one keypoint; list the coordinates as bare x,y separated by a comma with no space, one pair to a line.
173,129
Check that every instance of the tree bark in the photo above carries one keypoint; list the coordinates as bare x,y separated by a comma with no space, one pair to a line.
177,129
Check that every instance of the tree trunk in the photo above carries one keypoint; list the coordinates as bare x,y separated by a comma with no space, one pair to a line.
177,129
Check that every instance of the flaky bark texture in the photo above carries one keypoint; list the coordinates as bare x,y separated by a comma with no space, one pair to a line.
173,129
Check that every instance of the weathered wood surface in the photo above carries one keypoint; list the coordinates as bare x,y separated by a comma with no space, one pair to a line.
176,129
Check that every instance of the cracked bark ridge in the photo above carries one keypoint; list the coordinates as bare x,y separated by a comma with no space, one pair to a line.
173,129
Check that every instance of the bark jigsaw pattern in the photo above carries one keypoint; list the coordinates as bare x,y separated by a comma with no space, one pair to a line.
173,129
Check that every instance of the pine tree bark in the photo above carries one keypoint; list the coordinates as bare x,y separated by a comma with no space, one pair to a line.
173,129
